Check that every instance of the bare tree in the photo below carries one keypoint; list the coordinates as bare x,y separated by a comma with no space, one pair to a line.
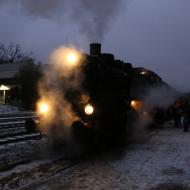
11,54
29,74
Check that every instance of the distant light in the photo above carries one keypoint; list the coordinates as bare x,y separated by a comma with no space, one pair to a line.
145,113
136,104
3,87
133,103
143,73
89,109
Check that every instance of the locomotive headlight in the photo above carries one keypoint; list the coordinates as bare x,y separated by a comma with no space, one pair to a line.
133,103
136,104
42,108
72,58
89,109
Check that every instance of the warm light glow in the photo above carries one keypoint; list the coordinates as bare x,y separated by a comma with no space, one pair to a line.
136,104
43,108
72,58
143,73
3,87
133,103
89,109
66,60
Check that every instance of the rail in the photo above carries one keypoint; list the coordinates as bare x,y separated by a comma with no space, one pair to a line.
19,138
13,127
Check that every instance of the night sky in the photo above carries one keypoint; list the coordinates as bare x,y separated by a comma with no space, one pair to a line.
150,33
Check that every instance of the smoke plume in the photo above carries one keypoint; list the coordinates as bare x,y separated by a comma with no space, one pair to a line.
94,17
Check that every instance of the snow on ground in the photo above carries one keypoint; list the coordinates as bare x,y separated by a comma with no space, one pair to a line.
24,174
159,162
26,161
162,162
14,153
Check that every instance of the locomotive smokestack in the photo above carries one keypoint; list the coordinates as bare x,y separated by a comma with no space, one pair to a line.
95,49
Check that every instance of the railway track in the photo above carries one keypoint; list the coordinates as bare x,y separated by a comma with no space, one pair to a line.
17,146
21,148
12,127
18,138
47,179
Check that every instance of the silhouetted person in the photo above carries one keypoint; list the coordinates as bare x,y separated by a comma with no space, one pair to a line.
185,122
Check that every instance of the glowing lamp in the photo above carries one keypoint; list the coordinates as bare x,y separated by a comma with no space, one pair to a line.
136,104
143,73
3,87
133,103
89,109
72,58
43,108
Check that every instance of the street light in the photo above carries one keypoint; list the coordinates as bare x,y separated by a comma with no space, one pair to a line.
4,89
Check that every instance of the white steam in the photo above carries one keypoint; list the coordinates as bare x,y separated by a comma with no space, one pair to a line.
161,96
60,76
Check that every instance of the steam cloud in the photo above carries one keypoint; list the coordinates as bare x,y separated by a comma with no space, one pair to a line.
94,17
160,97
59,78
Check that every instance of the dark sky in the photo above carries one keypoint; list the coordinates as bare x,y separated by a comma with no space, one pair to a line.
151,33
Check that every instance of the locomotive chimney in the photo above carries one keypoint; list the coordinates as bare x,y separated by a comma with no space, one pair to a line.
95,49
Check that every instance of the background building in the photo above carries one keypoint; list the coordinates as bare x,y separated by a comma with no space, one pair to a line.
9,83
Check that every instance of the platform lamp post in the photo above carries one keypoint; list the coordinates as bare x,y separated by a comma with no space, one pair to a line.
4,89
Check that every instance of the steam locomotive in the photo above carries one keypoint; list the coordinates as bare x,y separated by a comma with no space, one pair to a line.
110,98
107,83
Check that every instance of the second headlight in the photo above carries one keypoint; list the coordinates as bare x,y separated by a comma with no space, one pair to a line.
89,109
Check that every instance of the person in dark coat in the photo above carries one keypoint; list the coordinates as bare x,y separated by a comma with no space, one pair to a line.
185,120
